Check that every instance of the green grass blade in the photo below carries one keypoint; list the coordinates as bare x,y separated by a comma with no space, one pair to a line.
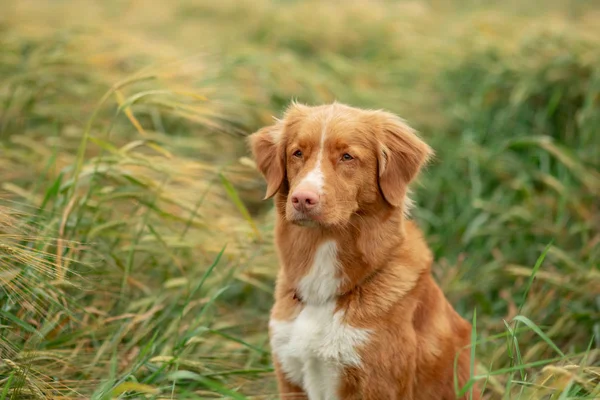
534,272
538,331
235,198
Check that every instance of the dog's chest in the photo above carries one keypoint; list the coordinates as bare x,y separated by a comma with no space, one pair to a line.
314,348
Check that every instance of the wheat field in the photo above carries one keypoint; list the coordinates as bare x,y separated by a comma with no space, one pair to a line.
136,256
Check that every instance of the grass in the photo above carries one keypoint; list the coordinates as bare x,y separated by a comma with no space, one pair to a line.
136,256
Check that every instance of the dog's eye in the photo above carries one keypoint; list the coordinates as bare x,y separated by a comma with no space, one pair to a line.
298,153
347,157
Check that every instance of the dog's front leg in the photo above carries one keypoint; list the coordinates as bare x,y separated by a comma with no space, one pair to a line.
287,389
385,388
389,379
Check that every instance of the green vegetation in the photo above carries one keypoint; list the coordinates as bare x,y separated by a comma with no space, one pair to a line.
136,255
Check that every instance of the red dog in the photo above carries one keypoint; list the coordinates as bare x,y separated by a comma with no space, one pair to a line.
357,314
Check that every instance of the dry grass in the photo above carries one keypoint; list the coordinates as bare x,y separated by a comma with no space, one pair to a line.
135,253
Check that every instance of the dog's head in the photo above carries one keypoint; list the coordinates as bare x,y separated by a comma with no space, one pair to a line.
331,162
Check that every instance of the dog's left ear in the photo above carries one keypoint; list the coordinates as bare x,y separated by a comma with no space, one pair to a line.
401,155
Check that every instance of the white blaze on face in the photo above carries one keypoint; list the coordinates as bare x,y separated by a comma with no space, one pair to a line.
315,178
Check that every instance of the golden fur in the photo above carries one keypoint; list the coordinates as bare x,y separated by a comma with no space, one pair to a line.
384,261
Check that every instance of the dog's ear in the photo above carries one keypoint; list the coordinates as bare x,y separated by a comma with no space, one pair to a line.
401,155
268,146
269,153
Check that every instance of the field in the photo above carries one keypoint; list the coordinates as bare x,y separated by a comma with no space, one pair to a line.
136,256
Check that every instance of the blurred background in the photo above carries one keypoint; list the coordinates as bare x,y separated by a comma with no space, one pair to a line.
136,256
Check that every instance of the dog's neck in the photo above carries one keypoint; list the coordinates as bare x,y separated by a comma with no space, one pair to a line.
366,248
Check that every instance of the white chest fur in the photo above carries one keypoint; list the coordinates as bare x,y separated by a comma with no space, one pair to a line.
313,348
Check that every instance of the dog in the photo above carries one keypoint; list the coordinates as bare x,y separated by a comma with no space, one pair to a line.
357,314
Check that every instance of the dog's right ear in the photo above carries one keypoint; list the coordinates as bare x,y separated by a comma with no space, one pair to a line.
269,153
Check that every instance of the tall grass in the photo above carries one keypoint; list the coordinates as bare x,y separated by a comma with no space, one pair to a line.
136,256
